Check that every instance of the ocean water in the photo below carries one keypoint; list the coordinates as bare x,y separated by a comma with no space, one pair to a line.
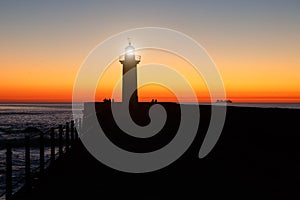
14,119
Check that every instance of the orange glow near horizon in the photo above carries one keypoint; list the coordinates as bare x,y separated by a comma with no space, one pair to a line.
248,93
33,81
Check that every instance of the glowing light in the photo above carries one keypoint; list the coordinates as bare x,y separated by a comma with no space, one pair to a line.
130,52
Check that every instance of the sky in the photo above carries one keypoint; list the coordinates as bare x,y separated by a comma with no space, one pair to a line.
255,44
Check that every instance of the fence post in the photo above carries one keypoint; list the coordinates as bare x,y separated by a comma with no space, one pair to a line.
27,164
79,124
72,132
52,141
8,172
76,129
76,123
60,140
76,135
42,154
67,136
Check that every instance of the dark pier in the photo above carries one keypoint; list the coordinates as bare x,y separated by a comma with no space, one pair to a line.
256,156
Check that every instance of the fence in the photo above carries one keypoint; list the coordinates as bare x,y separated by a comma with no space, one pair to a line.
61,137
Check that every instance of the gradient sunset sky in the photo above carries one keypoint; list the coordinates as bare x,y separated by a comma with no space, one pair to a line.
255,44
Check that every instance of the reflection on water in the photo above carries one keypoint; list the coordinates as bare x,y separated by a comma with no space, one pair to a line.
16,117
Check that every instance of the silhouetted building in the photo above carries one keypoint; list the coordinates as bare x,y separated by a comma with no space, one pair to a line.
129,62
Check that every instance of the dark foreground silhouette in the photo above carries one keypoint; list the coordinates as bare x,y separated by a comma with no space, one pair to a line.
257,155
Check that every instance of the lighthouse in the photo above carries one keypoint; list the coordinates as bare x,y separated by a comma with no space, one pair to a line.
129,80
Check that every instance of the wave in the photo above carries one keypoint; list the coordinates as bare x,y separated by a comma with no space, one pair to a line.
9,112
18,139
20,142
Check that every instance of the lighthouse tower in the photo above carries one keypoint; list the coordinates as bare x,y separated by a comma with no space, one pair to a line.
129,62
